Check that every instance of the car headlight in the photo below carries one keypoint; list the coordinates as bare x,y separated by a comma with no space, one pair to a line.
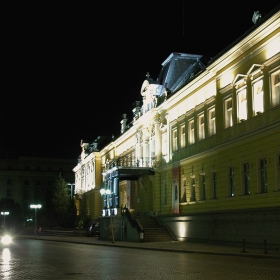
6,239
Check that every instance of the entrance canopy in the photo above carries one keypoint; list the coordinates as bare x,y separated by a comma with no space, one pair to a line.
127,173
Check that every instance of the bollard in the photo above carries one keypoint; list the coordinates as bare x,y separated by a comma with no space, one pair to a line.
265,247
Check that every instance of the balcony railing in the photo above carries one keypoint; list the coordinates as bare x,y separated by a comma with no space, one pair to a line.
129,162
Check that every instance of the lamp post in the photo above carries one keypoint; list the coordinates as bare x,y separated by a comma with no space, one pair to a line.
35,206
4,214
106,193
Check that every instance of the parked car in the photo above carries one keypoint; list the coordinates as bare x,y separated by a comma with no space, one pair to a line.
93,230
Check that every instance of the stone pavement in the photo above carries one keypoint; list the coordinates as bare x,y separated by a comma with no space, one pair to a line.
171,246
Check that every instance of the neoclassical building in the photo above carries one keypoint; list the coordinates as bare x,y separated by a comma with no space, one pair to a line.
202,153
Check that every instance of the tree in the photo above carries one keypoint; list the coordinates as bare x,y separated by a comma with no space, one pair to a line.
61,202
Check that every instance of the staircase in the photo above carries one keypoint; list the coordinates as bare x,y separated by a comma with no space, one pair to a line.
153,231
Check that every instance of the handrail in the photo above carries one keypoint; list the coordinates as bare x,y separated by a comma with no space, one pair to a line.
134,222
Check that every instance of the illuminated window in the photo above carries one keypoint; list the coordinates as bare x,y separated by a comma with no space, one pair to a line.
202,187
191,132
228,113
258,97
174,141
262,176
193,195
245,179
201,127
183,137
184,191
231,181
212,122
275,89
242,104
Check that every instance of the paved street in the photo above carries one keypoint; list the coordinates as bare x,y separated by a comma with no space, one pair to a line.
43,259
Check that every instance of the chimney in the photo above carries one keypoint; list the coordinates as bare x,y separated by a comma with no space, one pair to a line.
123,123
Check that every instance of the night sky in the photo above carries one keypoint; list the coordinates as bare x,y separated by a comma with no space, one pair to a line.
69,71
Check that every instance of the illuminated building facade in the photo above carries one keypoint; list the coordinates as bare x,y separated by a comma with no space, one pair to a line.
202,153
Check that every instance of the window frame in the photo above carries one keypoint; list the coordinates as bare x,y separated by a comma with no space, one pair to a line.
228,111
211,121
191,130
275,97
246,178
193,190
202,186
231,183
262,174
256,109
174,140
214,185
201,126
242,113
182,136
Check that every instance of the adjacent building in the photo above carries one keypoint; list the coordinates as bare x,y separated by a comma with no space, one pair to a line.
28,180
202,152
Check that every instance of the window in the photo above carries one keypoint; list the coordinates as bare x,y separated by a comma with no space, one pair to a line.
26,182
26,194
258,97
164,144
212,122
242,105
9,181
231,181
275,89
9,193
183,137
191,132
201,127
202,187
174,141
193,195
214,185
153,149
278,172
228,113
262,176
245,179
184,192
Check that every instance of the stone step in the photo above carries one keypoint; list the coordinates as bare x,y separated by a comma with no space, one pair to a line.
153,231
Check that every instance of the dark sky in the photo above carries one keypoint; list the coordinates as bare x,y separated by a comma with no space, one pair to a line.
71,70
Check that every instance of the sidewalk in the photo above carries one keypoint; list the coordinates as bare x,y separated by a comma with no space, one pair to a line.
172,246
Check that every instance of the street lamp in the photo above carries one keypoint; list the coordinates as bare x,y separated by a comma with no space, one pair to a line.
35,206
4,214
